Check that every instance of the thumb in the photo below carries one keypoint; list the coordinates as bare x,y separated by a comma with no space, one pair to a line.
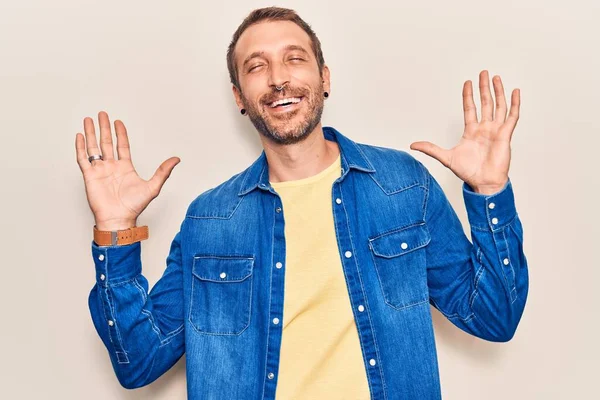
432,150
162,174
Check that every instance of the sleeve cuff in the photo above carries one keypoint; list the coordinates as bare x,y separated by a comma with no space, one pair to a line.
116,263
490,211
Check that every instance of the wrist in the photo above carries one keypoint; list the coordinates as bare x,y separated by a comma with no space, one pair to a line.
489,189
115,225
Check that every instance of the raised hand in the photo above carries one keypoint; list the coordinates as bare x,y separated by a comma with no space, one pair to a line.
115,192
482,157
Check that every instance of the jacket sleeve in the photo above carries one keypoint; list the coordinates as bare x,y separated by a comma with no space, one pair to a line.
481,287
143,332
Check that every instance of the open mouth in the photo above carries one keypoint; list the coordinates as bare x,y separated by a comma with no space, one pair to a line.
285,104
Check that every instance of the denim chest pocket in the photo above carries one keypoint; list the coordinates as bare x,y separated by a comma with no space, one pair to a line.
400,262
221,294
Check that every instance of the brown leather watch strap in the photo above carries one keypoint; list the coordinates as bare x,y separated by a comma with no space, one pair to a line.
121,237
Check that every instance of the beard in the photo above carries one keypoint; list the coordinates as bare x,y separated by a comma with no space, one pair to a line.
283,129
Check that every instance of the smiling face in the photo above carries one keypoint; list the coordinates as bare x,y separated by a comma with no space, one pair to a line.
278,53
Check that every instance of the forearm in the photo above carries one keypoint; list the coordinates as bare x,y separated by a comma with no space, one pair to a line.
142,340
502,280
481,287
497,235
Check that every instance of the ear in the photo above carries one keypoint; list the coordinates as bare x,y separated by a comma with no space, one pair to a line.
238,96
326,79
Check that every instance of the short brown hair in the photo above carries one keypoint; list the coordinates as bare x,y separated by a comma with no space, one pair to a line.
271,14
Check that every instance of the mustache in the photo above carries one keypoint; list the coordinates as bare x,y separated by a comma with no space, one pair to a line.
286,92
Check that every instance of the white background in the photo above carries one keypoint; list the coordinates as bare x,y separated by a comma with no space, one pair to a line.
397,70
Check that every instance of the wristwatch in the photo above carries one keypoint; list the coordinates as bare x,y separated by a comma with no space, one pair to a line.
120,237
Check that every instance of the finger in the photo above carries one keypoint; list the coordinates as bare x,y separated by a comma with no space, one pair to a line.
90,139
161,175
433,150
500,115
487,104
468,104
106,144
123,150
513,114
82,160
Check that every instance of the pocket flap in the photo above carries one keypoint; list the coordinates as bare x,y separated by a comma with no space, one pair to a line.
400,241
222,268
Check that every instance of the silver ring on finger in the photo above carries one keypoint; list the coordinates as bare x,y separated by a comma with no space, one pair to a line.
95,157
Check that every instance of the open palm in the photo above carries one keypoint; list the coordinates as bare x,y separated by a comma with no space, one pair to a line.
115,192
482,156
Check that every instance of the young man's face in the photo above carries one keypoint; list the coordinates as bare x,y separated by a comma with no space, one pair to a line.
279,53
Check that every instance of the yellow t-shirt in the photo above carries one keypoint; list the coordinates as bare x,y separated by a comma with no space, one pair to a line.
320,355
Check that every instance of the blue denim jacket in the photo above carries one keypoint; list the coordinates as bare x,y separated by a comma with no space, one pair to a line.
402,248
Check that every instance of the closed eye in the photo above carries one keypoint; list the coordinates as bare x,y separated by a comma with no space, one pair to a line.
254,67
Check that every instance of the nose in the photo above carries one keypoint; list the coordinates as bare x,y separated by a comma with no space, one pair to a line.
279,75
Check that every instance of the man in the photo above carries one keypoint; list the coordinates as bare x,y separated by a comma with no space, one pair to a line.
309,274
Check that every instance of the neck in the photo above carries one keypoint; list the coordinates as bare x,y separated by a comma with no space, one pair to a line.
300,160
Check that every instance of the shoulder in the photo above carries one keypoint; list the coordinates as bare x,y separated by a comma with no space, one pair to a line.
386,156
395,170
219,201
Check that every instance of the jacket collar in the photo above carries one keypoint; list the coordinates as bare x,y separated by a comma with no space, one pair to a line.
257,175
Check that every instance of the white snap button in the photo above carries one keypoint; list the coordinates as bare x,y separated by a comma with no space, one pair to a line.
223,275
110,322
279,265
271,375
404,246
361,308
506,261
102,277
348,254
491,206
494,221
372,361
278,209
275,320
338,200
101,257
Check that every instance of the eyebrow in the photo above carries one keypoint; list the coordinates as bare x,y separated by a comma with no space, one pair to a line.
289,47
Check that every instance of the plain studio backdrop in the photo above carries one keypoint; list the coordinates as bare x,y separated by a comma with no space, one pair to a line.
397,73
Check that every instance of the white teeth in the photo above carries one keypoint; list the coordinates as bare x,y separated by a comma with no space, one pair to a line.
288,100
